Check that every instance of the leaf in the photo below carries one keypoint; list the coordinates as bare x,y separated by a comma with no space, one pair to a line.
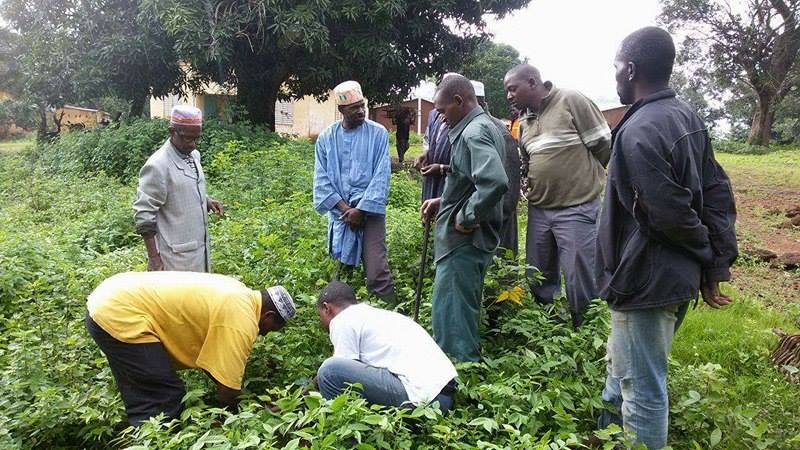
694,397
487,423
516,295
503,296
293,444
376,419
716,436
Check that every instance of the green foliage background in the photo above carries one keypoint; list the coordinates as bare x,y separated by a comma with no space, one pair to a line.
489,64
65,225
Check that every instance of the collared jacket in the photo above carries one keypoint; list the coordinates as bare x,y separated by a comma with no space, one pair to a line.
474,188
171,201
668,215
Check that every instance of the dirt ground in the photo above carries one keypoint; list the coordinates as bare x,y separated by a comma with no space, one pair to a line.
765,188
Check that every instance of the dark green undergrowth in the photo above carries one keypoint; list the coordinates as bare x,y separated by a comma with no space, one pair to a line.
66,224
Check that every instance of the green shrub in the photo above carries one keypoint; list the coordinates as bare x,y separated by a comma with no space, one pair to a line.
121,150
740,148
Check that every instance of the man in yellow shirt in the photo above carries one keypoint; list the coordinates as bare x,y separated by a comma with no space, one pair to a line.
149,324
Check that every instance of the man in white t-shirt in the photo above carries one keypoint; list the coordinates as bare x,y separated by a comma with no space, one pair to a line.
393,358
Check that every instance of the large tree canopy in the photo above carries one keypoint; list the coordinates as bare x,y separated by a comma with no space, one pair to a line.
489,64
755,41
81,50
272,49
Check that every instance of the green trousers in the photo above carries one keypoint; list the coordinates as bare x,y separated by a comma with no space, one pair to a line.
456,311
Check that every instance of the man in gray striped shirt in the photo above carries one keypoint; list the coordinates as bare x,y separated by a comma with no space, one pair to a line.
565,145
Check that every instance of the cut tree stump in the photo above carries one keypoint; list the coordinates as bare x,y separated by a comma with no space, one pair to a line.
787,355
787,261
761,254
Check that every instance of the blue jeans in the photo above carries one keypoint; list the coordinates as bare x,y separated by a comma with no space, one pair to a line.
636,386
379,386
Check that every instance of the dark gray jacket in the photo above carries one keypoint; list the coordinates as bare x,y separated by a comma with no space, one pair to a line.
668,214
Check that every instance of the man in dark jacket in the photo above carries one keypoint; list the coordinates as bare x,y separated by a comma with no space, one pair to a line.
666,232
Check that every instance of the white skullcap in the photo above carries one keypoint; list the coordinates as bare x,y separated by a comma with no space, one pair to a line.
348,93
186,115
282,301
480,91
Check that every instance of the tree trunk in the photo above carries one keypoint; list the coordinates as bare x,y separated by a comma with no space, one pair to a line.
761,128
42,134
258,99
137,105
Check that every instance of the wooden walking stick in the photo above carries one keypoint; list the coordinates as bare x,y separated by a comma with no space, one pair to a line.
418,298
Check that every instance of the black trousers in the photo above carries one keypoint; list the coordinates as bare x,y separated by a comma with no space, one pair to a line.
144,374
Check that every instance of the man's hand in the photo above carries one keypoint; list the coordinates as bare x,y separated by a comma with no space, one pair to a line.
154,263
310,386
420,161
712,296
227,396
433,169
216,206
466,230
429,209
354,218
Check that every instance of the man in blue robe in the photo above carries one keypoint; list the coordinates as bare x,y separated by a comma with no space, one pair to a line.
351,185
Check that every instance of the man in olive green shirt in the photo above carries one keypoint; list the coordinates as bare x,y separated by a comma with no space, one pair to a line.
565,143
469,218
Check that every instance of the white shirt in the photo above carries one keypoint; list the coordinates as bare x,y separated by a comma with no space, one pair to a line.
390,340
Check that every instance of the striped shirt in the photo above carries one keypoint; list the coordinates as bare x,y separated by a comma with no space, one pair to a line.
564,150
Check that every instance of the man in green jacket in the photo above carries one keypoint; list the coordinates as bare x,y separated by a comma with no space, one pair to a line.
468,218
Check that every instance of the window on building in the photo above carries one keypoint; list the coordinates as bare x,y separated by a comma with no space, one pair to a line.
284,113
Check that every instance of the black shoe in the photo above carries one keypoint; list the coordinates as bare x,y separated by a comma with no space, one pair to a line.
577,320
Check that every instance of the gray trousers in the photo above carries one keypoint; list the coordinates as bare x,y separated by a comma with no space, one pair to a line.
373,255
376,262
563,240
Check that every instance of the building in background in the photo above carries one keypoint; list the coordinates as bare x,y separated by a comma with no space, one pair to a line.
420,109
215,101
305,117
613,114
71,117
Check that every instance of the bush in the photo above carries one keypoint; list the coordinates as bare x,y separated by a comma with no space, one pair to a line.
121,150
16,114
740,148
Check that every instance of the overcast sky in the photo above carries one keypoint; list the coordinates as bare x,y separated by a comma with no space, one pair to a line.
573,42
